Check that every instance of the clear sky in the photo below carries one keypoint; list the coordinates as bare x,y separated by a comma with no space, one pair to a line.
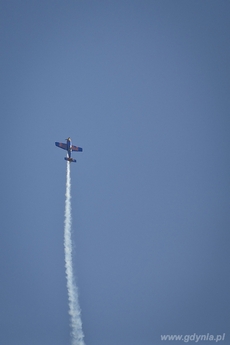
143,86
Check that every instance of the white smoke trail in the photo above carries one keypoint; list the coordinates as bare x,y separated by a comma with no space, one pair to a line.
74,308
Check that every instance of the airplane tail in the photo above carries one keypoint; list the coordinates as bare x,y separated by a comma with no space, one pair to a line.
70,160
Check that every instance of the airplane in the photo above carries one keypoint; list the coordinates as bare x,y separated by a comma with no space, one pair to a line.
69,148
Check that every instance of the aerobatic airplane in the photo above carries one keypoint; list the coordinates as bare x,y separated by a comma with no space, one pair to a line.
69,148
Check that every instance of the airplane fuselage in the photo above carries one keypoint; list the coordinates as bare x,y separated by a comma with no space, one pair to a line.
69,150
69,147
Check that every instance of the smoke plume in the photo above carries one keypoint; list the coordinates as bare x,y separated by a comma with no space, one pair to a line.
74,308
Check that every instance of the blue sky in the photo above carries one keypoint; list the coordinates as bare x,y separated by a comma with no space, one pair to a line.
143,87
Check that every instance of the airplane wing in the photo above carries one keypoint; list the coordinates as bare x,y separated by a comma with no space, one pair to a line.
61,145
76,148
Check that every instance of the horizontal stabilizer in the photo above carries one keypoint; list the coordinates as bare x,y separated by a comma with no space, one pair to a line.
70,159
